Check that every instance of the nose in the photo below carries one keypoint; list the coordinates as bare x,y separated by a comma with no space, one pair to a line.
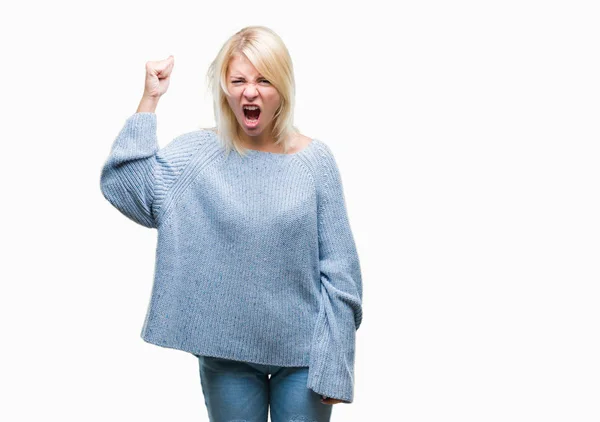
251,92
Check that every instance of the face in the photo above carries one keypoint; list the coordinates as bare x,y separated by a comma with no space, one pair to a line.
247,86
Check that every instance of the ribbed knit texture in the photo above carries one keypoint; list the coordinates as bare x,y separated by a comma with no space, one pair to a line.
255,258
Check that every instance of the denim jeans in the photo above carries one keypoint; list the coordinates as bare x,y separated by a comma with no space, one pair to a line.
236,391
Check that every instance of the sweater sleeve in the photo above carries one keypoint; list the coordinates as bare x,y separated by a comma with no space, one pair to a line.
331,369
129,174
138,176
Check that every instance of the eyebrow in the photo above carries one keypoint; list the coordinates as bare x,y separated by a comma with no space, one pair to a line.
241,77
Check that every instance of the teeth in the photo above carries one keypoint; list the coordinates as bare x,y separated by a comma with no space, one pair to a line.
250,107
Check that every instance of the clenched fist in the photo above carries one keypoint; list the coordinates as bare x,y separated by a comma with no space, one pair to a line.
158,75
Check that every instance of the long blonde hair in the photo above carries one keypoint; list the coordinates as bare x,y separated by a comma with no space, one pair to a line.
269,55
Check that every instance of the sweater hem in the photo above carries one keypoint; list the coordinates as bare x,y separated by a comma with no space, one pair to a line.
207,352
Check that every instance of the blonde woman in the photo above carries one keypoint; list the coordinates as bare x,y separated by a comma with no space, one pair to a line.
257,274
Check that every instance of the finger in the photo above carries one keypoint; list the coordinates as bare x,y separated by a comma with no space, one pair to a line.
164,66
168,63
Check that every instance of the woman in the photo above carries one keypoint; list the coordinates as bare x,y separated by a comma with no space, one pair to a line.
257,273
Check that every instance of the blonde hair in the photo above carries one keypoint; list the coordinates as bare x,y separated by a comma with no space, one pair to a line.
269,55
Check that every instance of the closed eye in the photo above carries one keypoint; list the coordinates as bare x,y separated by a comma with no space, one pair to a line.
238,81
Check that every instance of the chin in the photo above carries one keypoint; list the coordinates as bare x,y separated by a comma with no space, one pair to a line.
253,132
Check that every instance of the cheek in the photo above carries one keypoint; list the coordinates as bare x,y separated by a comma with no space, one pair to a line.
233,104
274,101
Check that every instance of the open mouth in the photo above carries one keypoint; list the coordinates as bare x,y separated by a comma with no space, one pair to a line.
251,113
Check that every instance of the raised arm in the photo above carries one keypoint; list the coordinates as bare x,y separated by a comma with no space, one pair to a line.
129,175
132,170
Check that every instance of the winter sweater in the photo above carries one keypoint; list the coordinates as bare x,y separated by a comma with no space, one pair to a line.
255,258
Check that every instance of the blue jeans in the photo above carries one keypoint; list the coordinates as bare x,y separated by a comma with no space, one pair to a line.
236,391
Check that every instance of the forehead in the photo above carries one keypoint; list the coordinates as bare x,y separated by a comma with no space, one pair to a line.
239,65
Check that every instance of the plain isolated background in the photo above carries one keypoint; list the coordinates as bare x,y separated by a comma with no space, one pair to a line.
466,133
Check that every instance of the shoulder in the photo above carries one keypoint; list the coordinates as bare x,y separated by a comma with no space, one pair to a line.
186,143
327,176
319,160
195,136
299,142
323,154
313,152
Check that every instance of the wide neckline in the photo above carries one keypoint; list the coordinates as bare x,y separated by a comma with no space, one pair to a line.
259,152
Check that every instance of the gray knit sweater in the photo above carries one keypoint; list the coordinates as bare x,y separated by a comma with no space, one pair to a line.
255,258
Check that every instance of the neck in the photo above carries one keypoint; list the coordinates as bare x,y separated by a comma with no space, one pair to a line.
262,141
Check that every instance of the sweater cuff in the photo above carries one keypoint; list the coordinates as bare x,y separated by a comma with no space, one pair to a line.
331,367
